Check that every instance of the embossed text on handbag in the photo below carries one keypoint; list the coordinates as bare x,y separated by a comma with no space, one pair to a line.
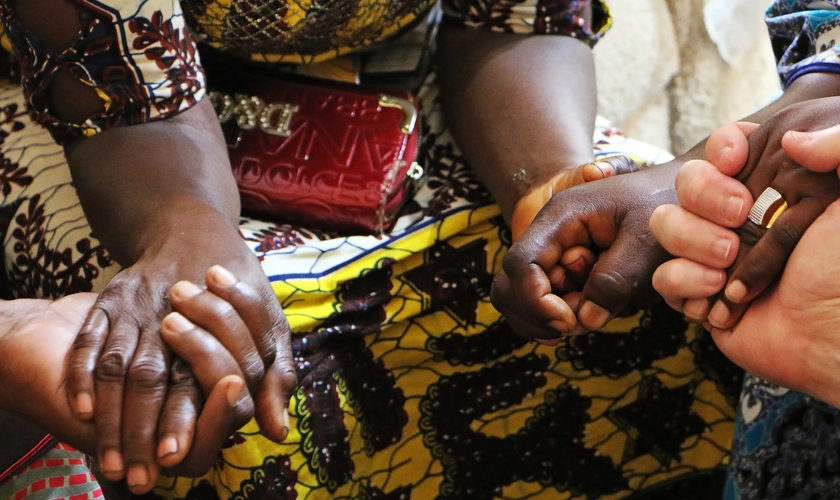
330,156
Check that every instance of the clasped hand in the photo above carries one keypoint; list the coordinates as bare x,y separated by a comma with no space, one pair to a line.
146,401
585,256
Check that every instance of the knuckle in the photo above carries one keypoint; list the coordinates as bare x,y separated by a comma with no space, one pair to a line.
107,437
148,373
181,375
112,367
268,344
750,233
288,376
226,312
253,369
785,237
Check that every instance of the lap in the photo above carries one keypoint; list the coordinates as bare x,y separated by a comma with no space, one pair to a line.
411,383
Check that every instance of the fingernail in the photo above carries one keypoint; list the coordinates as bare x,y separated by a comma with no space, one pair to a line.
168,446
605,167
719,315
286,421
578,266
233,393
736,291
185,289
222,276
732,207
112,462
176,323
725,151
802,137
714,277
696,310
721,249
84,405
138,476
597,315
559,325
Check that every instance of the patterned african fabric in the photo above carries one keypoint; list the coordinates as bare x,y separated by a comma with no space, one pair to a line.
308,31
786,446
138,56
804,36
411,384
142,60
61,473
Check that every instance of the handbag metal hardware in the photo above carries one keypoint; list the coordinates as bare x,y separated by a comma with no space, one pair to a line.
415,171
409,120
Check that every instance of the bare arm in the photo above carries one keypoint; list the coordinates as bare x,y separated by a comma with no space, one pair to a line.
518,103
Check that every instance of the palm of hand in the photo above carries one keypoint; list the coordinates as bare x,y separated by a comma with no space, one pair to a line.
794,325
38,342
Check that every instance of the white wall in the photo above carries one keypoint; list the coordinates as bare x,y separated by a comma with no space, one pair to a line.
663,80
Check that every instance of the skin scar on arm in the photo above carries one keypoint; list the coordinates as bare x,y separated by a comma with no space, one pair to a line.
57,25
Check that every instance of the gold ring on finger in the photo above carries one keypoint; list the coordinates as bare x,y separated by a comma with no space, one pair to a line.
767,208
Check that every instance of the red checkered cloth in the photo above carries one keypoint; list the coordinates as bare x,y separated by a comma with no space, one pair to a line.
61,473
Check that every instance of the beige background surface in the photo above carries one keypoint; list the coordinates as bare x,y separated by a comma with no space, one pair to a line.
663,80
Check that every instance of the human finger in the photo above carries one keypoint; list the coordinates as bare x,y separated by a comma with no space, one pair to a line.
764,261
687,279
272,334
697,311
528,290
684,234
219,317
178,417
576,263
707,192
213,427
273,400
727,147
250,306
527,326
111,371
619,274
207,358
818,151
82,360
146,386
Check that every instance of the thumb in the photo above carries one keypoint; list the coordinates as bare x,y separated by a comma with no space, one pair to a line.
818,151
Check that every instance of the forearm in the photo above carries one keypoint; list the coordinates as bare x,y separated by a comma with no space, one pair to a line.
517,103
140,186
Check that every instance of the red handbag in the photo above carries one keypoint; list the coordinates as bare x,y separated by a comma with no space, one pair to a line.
332,156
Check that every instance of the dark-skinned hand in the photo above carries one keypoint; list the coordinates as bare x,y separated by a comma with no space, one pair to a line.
762,253
586,255
40,333
123,377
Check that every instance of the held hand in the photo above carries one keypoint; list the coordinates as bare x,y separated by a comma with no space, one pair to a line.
38,334
532,202
139,390
763,251
789,334
549,286
704,246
